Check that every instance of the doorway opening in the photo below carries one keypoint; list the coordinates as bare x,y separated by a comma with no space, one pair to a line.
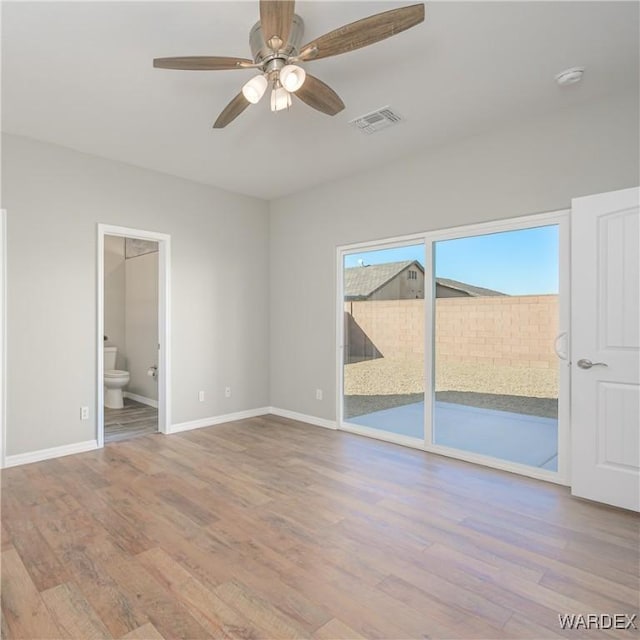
133,333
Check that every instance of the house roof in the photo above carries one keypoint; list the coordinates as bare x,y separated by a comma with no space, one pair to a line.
472,290
361,282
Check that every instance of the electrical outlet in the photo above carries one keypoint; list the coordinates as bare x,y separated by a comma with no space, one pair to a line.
227,392
84,413
318,394
201,396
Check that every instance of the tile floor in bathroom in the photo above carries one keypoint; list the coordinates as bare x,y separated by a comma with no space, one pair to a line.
135,419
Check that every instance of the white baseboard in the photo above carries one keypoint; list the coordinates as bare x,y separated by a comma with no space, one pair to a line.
303,417
213,420
251,413
141,399
47,454
90,445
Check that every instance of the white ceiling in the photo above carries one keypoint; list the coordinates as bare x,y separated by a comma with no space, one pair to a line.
80,74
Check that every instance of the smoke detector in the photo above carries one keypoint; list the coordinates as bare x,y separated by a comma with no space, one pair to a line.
377,120
570,76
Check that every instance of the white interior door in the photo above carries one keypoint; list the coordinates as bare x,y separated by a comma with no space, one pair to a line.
605,340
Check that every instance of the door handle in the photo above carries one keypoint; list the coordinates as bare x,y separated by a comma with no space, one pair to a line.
563,355
587,364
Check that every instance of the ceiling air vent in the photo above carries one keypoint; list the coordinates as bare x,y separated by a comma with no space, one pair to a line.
377,120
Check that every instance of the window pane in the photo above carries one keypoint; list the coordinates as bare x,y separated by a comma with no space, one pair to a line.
496,371
384,340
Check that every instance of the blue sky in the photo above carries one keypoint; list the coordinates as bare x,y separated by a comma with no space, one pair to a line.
523,262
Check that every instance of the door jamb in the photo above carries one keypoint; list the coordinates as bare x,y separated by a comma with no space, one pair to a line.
3,335
164,324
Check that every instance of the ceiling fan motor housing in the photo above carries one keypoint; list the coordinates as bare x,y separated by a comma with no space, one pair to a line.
263,53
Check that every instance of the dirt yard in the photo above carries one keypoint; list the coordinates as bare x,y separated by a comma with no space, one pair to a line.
383,383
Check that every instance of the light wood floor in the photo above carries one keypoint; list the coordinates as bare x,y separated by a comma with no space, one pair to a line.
133,420
266,528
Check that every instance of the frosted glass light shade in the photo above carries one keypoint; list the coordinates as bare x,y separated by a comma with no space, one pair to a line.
255,88
292,77
280,99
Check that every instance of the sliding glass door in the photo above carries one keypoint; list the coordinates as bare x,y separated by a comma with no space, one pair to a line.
383,341
495,368
455,342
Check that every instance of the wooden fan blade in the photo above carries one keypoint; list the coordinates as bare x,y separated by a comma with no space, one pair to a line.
231,111
202,63
363,32
276,17
320,96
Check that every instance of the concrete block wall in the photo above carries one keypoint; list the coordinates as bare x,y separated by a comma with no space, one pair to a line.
508,331
512,330
390,327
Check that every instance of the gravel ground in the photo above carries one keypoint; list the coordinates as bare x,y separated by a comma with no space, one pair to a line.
383,383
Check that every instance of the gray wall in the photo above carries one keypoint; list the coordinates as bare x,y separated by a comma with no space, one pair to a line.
223,334
521,169
141,323
54,199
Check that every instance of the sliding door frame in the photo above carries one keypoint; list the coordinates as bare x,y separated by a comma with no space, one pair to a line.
375,245
562,220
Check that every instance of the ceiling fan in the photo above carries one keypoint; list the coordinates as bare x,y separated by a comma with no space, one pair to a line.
275,45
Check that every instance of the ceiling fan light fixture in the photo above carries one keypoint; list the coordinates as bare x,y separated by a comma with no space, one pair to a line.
277,50
255,88
280,99
292,77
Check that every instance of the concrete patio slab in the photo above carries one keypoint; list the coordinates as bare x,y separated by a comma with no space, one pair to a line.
524,439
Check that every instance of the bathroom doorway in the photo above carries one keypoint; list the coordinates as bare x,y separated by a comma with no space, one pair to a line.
132,353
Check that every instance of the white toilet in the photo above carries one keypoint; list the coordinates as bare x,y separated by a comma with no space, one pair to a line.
115,380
